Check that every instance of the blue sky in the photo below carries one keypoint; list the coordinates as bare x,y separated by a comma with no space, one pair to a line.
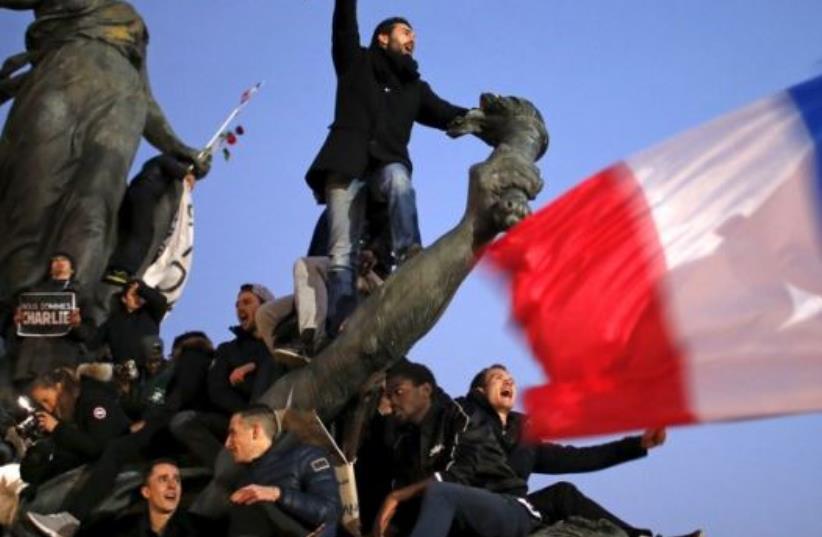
611,78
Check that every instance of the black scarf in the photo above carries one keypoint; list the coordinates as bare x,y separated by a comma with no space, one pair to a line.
390,65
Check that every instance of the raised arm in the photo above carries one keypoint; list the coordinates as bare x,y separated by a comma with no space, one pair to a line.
20,4
345,35
435,111
158,131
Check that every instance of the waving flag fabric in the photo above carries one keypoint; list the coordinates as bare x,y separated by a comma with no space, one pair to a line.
683,284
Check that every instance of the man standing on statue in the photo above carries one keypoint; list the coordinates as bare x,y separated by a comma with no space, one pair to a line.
379,97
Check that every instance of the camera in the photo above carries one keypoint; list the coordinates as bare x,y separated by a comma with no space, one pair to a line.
28,428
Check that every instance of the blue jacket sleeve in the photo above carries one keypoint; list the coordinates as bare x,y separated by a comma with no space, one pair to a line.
318,500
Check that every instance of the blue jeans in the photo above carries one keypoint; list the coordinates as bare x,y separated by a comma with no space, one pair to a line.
347,199
480,512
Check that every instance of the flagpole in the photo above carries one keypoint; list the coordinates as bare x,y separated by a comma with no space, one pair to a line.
245,98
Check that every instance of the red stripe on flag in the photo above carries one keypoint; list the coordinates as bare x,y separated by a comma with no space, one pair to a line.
585,275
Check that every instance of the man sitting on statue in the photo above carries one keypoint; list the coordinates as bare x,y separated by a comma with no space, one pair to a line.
309,305
452,462
491,399
243,368
290,489
136,217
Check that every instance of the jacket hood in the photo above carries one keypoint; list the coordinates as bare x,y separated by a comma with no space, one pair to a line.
100,371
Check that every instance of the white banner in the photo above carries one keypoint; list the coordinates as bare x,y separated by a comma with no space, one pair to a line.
169,271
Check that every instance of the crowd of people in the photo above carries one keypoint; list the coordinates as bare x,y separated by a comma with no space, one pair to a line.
105,397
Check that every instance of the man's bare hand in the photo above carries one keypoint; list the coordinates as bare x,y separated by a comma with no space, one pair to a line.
75,318
46,421
255,493
239,373
387,512
653,438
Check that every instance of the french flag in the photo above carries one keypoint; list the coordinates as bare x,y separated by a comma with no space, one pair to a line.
683,284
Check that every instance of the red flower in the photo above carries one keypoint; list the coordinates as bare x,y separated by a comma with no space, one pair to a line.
230,138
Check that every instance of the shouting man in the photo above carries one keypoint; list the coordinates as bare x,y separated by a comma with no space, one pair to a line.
379,97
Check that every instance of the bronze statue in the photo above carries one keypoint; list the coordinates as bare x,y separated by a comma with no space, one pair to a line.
70,137
406,307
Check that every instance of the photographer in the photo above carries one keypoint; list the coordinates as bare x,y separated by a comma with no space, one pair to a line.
79,419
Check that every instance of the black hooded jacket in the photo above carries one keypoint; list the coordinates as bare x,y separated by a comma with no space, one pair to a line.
452,446
547,458
379,97
97,420
232,354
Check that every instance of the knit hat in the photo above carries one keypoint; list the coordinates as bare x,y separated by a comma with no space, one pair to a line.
259,290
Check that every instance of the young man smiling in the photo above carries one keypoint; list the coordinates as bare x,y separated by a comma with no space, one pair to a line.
162,490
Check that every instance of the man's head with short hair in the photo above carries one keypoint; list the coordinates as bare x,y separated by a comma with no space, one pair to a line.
130,297
251,432
249,300
162,487
410,387
191,339
61,266
497,385
395,34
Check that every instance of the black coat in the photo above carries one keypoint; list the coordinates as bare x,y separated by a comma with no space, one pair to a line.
452,446
187,387
232,354
124,331
546,457
33,356
305,477
98,419
376,107
179,525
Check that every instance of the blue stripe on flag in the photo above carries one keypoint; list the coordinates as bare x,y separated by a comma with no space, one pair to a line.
808,98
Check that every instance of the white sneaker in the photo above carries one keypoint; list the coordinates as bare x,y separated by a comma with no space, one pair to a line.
56,525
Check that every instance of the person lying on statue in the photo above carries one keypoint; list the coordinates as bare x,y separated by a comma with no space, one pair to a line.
136,216
490,400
